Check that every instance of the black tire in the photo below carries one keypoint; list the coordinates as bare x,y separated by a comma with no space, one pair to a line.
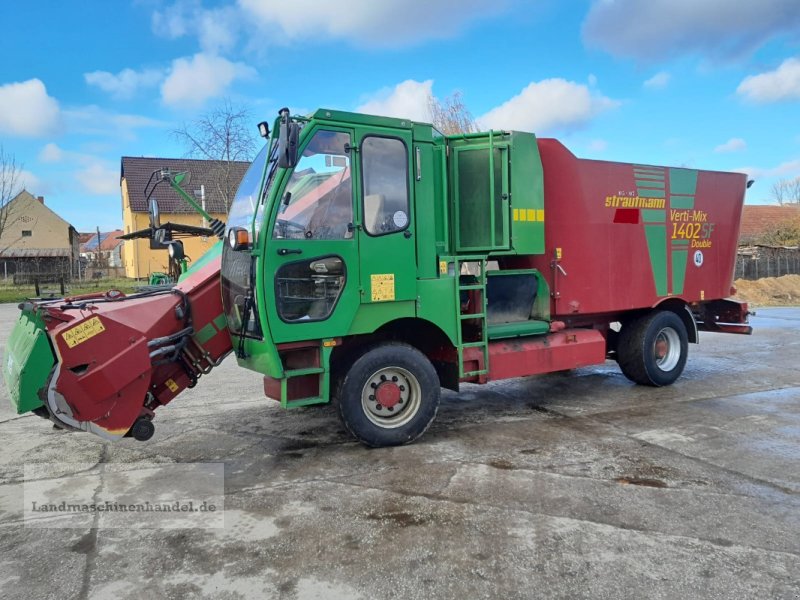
652,349
410,389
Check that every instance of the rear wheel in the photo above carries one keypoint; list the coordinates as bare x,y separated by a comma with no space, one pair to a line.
652,350
389,396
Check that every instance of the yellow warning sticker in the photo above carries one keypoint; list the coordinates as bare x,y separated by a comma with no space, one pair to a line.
82,332
173,387
528,214
382,287
443,267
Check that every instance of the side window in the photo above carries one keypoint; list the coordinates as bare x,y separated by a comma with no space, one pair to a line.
385,165
308,290
318,201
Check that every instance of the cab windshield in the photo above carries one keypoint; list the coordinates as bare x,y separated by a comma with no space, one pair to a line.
246,201
238,296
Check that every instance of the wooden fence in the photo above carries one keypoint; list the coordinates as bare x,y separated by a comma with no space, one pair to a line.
755,262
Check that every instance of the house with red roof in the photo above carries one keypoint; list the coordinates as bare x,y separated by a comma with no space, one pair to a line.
759,219
106,252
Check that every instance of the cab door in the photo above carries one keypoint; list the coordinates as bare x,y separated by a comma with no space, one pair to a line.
386,231
312,254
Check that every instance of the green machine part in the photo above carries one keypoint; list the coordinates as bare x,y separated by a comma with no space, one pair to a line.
28,362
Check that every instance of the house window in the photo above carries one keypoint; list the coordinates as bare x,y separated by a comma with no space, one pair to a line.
27,233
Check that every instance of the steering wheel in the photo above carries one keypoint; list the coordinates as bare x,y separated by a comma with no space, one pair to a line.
287,225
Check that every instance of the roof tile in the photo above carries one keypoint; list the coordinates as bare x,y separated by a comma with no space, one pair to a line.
757,220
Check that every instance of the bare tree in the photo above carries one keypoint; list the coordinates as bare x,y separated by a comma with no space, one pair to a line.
785,233
225,134
9,185
786,191
451,116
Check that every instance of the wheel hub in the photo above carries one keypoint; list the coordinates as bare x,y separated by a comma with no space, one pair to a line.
391,397
388,394
667,349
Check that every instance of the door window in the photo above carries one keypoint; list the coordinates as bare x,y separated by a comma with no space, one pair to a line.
318,201
308,290
385,165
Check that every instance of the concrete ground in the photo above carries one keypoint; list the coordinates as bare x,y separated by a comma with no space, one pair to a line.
577,485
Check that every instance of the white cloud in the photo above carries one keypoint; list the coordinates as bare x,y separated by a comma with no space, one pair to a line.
547,105
126,83
99,178
789,168
661,29
28,181
95,174
658,81
194,80
174,21
408,100
216,29
26,110
51,153
773,86
370,22
732,145
93,120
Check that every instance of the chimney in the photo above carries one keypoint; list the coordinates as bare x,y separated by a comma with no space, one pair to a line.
41,199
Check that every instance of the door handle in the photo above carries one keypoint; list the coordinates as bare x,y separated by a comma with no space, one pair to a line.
285,251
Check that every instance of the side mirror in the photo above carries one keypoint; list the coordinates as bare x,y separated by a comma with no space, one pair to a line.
155,217
160,236
287,141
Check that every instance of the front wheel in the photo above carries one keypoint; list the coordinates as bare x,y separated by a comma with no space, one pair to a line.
389,396
652,350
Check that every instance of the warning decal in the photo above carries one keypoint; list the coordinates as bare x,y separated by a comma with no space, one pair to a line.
85,331
382,287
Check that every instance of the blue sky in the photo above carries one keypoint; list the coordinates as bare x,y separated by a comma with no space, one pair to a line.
703,83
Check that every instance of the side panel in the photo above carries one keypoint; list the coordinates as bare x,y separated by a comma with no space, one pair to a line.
629,236
527,195
27,362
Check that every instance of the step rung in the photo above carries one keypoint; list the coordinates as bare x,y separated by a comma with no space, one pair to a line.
473,316
473,345
300,372
471,373
471,287
304,402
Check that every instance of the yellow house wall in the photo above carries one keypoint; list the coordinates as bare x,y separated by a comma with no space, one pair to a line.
47,229
139,260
